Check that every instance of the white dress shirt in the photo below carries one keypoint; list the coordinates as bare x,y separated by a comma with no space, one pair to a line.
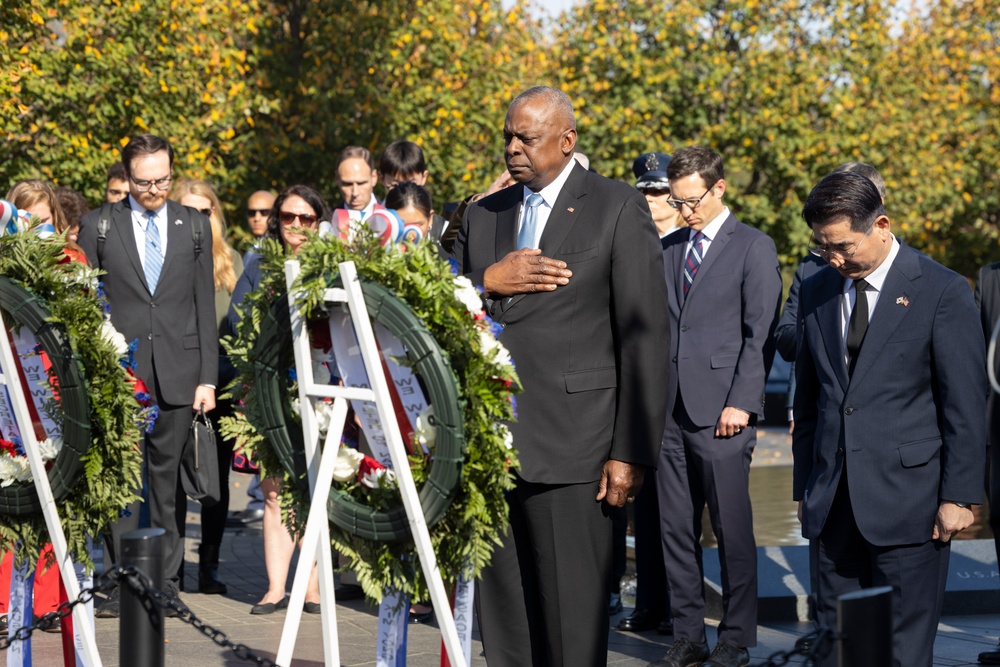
875,280
709,232
549,194
140,220
365,212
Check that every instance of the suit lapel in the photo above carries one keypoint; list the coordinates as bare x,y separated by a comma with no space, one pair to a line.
175,235
828,316
126,234
675,267
899,290
506,241
715,249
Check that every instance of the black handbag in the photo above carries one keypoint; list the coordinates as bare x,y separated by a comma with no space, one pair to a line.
200,463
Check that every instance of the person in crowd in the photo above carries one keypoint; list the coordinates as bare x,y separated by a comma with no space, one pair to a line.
652,596
161,291
39,199
455,212
356,178
724,291
650,171
578,263
74,207
403,161
890,412
117,187
413,205
259,206
297,207
226,266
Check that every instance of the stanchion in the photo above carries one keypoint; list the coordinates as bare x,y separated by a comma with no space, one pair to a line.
864,622
141,629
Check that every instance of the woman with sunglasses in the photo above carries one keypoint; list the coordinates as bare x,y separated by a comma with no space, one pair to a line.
227,265
298,207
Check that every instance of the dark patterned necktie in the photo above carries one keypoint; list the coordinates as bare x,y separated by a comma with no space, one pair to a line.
693,261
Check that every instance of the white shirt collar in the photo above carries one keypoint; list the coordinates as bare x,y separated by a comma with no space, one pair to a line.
143,212
367,210
551,191
712,229
876,278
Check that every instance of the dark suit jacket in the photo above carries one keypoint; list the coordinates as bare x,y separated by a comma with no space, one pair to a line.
176,327
722,345
988,301
592,354
785,337
911,418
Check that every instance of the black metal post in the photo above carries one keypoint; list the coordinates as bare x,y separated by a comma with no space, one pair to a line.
864,621
140,640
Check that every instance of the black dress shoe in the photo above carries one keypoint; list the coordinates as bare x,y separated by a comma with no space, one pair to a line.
640,620
266,608
3,625
421,617
683,653
312,607
666,627
990,657
111,607
727,654
243,518
173,590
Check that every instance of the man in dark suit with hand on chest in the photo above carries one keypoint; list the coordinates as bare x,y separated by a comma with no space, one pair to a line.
571,269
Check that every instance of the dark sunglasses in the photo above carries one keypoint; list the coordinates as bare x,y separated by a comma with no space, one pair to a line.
288,218
206,211
254,212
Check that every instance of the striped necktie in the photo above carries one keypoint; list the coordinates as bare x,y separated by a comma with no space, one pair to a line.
693,261
154,253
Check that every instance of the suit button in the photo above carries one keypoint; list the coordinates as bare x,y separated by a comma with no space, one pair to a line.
149,336
840,451
684,328
503,325
152,304
674,360
849,411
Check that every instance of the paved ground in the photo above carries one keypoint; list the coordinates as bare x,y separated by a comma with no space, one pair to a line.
960,638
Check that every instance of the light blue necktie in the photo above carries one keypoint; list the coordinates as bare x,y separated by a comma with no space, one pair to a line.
154,254
526,236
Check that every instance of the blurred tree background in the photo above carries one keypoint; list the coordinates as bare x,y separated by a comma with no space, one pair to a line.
257,94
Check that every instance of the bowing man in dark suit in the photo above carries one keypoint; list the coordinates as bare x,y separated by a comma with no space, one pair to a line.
889,413
162,294
571,269
724,291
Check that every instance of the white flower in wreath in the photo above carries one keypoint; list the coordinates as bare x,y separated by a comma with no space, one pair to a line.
14,469
295,406
466,292
345,466
383,478
49,448
114,337
504,432
324,414
321,374
493,349
425,431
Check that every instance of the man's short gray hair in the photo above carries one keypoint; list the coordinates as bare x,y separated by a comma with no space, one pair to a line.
554,98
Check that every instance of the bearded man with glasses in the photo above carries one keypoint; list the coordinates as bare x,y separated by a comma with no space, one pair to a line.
723,294
162,294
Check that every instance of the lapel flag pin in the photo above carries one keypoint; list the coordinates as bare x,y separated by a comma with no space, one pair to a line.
178,222
903,300
570,209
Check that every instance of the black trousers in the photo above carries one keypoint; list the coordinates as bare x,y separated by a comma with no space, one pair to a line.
543,601
652,592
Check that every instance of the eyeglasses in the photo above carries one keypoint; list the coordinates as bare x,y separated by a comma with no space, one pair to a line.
692,204
287,218
254,212
144,186
843,253
207,212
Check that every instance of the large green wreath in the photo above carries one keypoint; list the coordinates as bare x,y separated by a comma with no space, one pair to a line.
468,529
94,480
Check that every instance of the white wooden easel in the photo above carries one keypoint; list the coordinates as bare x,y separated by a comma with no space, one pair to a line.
316,540
9,377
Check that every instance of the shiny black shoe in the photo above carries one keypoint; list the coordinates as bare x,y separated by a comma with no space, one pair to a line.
421,617
990,657
267,608
3,625
209,582
173,590
683,653
111,607
727,654
312,607
640,620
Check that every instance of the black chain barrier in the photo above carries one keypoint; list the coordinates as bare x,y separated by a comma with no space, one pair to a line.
141,584
814,647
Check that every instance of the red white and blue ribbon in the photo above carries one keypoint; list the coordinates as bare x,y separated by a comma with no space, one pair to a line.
393,617
20,610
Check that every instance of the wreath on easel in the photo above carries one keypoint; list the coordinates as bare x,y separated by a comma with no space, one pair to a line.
451,347
100,408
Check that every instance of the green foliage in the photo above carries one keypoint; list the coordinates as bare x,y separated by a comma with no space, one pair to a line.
465,537
112,464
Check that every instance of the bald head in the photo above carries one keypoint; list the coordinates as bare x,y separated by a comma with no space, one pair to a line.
258,209
539,136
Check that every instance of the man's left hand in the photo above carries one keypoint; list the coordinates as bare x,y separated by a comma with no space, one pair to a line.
950,520
731,422
204,397
620,482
